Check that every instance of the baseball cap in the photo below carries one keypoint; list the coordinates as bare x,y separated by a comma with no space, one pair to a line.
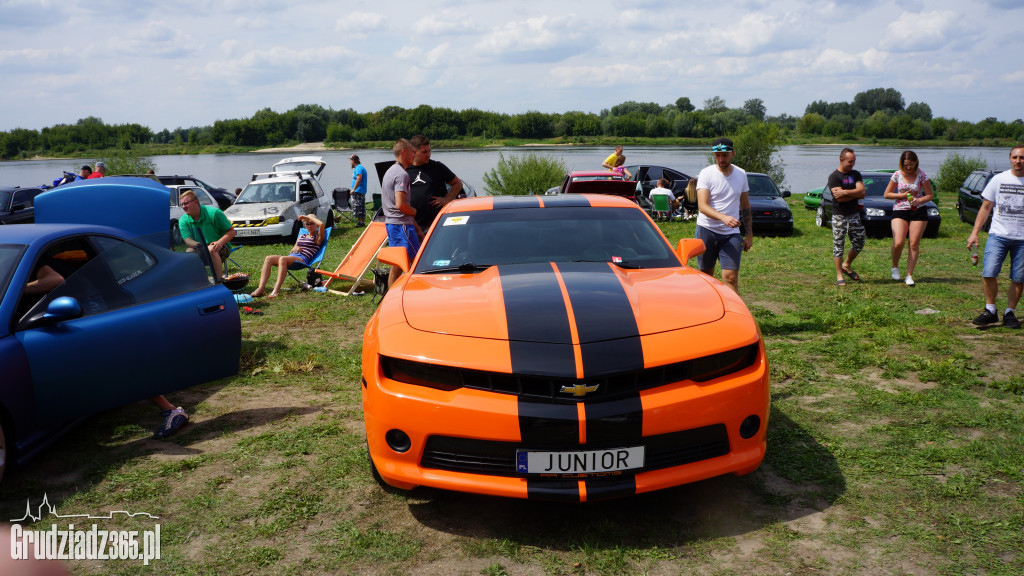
101,165
721,145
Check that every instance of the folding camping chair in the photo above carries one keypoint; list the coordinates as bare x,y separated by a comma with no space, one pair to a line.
342,206
232,249
317,259
661,206
360,257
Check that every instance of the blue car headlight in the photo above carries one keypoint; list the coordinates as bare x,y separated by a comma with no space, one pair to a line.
875,212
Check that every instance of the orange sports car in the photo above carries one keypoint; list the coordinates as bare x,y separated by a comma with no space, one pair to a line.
558,348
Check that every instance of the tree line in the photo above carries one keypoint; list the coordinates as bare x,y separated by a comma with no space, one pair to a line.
879,113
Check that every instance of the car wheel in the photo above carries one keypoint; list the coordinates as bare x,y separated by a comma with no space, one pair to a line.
960,210
378,478
819,217
175,235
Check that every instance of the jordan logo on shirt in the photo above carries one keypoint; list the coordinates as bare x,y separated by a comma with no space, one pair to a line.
419,179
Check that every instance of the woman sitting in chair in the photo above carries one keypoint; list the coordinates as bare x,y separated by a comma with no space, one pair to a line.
304,250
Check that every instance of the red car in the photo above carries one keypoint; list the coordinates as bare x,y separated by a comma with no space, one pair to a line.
596,182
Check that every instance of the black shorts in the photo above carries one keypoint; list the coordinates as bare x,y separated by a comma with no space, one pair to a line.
918,215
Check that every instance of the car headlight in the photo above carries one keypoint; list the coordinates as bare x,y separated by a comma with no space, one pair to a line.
781,214
272,220
933,211
876,212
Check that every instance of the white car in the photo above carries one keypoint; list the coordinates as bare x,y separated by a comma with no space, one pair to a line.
269,205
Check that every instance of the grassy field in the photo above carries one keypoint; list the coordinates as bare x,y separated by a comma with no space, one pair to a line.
896,446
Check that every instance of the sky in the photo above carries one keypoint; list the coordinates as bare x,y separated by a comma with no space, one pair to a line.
190,63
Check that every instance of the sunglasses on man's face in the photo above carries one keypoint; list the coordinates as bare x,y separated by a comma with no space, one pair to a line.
721,148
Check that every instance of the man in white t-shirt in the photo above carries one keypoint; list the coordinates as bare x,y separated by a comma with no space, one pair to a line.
1005,193
722,197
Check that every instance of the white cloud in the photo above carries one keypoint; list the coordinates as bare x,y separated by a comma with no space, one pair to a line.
360,23
446,23
541,39
920,32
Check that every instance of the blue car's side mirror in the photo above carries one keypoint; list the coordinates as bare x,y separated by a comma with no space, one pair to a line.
61,309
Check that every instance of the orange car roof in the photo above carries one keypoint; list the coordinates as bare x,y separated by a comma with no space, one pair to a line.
487,202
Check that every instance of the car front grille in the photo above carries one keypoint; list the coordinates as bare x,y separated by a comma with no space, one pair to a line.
495,458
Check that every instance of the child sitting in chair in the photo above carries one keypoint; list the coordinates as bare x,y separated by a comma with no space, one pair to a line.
304,251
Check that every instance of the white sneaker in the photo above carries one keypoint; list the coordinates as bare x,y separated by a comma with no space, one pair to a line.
909,281
895,273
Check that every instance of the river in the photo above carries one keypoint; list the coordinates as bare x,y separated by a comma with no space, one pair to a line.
806,167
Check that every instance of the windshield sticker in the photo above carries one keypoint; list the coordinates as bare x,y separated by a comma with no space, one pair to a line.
441,263
456,221
617,259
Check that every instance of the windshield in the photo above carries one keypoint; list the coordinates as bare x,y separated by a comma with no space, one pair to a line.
267,192
875,184
762,186
477,240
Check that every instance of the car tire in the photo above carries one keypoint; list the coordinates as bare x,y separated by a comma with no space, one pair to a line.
175,235
378,478
819,217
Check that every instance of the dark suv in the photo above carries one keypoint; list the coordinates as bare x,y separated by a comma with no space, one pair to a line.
17,205
223,197
968,200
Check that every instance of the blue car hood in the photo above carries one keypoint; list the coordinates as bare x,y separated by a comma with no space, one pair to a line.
136,205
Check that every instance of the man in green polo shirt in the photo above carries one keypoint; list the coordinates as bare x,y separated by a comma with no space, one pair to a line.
216,229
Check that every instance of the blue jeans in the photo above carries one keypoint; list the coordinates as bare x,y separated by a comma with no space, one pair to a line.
996,250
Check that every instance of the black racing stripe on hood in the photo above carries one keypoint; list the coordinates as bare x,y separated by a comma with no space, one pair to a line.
535,312
604,319
567,200
503,202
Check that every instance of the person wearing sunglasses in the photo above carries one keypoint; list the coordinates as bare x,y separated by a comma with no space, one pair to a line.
724,204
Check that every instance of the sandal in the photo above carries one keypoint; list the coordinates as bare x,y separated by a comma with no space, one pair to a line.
840,282
853,275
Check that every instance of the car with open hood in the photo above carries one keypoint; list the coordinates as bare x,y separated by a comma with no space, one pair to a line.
559,348
127,313
596,182
269,206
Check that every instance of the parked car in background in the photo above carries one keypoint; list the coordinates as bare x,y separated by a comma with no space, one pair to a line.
647,176
584,359
813,198
876,212
223,197
269,206
968,199
596,182
17,205
769,210
177,211
117,328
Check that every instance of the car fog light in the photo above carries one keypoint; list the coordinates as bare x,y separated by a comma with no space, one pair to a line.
874,212
749,427
399,441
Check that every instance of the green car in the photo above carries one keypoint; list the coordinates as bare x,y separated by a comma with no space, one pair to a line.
813,197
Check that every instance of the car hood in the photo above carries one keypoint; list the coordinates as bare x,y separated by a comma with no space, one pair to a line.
767,203
616,187
564,303
257,210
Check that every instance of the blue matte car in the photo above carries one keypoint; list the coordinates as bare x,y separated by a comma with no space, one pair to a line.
132,318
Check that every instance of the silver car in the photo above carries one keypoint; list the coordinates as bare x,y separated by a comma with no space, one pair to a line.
204,197
269,206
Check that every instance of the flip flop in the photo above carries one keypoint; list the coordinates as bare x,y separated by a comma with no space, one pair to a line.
840,282
853,275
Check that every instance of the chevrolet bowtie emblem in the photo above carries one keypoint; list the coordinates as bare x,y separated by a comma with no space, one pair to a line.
579,389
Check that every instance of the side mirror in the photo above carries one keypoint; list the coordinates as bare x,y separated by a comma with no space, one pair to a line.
786,194
61,309
689,248
305,197
397,256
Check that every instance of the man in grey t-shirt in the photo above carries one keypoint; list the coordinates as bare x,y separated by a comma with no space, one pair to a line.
398,212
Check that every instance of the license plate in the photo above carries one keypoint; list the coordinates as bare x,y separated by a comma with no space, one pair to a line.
580,462
247,231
